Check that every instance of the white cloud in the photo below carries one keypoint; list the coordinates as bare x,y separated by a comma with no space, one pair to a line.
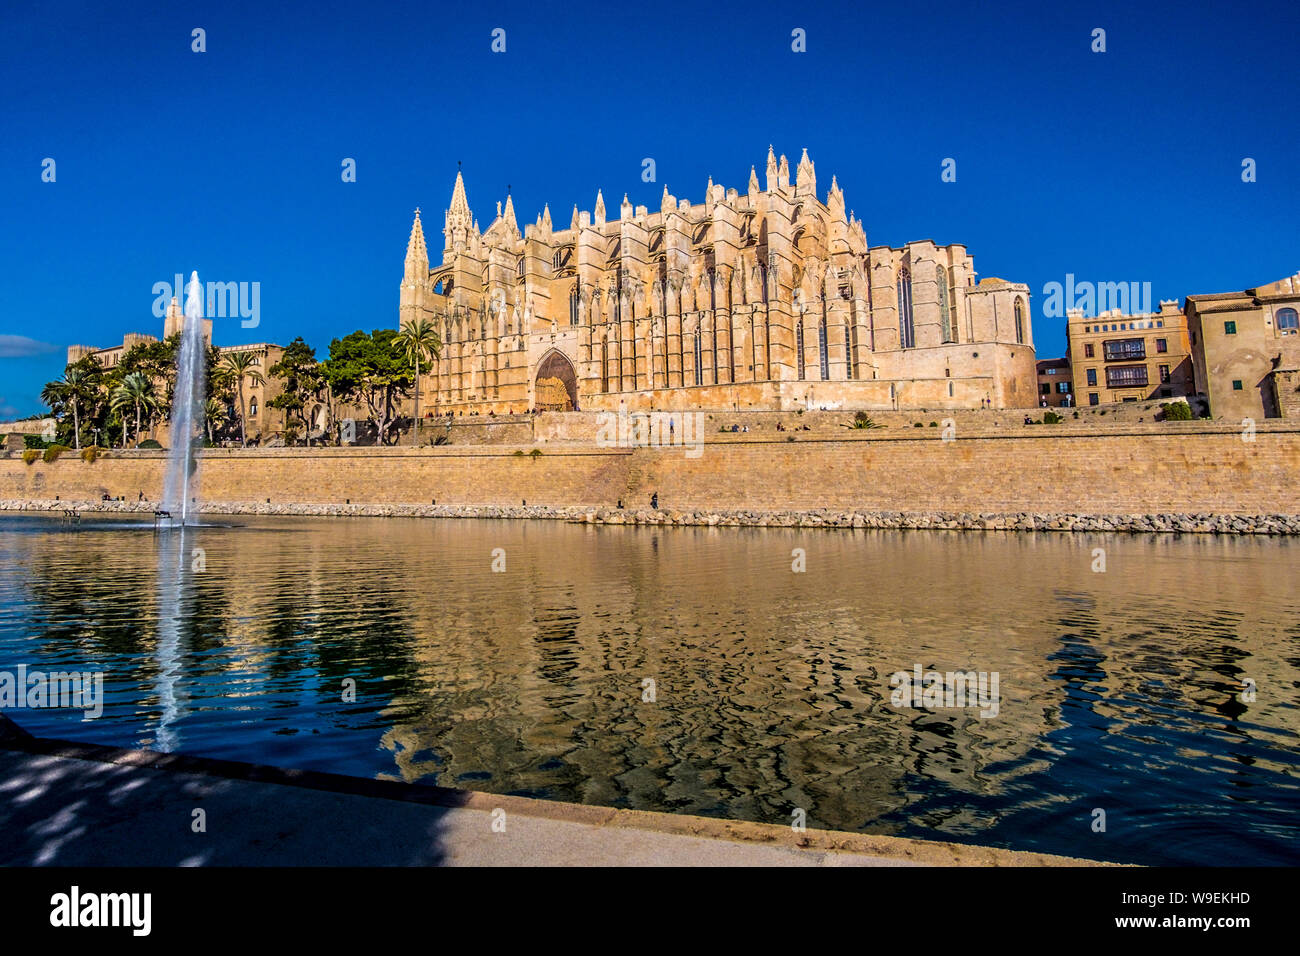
20,346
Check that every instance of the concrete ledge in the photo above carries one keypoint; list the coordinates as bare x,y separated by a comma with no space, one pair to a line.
145,783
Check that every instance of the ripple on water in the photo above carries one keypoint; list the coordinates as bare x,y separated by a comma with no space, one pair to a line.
691,670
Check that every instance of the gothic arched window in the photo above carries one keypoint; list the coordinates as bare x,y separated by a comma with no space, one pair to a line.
519,269
941,277
1020,321
753,351
699,360
823,347
573,305
906,326
798,347
952,305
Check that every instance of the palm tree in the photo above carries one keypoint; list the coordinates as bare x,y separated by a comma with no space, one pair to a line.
418,340
136,390
214,410
71,389
239,365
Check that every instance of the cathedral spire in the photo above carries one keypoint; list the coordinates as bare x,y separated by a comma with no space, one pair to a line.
753,181
600,209
459,201
459,221
417,254
835,200
546,216
573,223
510,215
806,176
771,169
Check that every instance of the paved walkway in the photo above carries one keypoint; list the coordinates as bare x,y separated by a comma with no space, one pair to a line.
68,804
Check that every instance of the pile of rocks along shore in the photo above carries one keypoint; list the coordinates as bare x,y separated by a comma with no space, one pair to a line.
1190,523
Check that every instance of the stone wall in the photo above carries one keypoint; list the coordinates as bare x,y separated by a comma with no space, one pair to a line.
1146,469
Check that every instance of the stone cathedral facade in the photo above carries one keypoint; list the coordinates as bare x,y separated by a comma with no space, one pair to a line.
769,298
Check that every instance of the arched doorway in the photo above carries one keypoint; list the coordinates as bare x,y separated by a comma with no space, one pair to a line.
556,385
317,419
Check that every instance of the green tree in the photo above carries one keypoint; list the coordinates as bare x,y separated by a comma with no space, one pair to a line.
240,365
157,362
418,341
77,388
214,410
136,390
302,381
365,368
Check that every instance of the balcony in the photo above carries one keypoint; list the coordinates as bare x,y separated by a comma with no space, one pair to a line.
1126,376
1124,350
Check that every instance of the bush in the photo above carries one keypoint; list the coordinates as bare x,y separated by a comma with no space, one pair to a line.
519,453
1051,418
34,441
916,424
535,453
31,454
863,420
52,452
934,424
150,443
1177,412
91,453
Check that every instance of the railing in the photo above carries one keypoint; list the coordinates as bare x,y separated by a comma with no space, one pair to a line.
1126,376
1124,350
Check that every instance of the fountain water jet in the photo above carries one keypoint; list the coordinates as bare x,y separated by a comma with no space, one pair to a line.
187,408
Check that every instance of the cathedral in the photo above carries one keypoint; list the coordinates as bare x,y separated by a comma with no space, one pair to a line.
769,298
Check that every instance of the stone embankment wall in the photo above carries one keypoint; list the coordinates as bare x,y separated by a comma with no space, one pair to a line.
1141,470
1203,523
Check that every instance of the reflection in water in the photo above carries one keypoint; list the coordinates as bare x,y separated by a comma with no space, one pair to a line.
1120,691
172,612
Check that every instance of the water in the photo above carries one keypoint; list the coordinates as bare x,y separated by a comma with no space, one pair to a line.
1120,691
180,488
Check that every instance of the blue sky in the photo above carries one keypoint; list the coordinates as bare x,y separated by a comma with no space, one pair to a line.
1115,166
